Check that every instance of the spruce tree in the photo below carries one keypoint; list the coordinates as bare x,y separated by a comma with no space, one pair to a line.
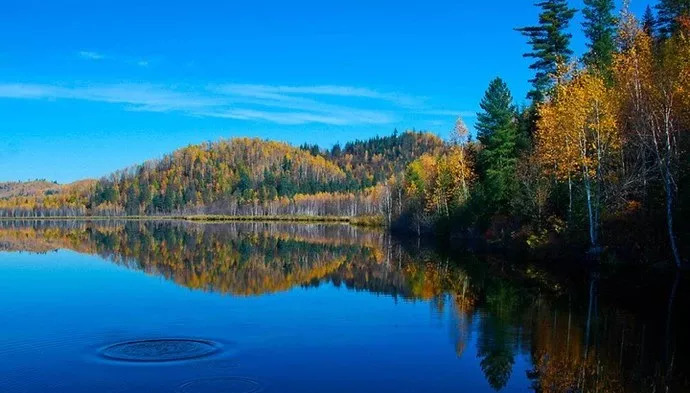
600,29
498,133
550,44
668,13
648,22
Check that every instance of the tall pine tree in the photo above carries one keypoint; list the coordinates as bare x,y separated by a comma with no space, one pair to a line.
498,133
600,29
550,44
668,13
649,22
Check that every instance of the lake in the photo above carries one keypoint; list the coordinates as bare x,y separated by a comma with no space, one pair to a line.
165,306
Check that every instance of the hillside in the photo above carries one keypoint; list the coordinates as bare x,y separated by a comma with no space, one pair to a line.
238,176
369,162
33,188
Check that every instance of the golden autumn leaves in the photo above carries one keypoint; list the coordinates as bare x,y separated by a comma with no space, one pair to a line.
442,182
623,126
577,136
588,118
577,129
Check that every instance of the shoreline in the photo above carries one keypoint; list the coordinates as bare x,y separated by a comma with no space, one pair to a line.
370,221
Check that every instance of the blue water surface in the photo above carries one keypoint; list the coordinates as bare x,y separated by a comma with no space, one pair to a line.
60,309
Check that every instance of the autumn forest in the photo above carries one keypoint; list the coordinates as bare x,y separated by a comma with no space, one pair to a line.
598,159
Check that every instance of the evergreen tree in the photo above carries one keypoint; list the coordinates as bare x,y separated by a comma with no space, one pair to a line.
668,13
649,22
600,29
550,44
498,133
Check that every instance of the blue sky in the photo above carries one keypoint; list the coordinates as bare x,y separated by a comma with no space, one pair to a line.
88,87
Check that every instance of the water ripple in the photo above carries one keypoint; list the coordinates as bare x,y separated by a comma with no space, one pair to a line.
160,350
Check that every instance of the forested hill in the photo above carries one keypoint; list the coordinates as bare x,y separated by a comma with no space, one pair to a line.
29,188
37,189
242,169
372,161
240,176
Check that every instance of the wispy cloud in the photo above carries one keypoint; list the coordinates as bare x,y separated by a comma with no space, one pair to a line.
91,55
138,96
290,105
294,118
268,91
447,112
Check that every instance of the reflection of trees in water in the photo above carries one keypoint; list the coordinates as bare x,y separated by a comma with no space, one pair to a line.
577,342
241,258
589,345
495,348
497,343
582,349
238,258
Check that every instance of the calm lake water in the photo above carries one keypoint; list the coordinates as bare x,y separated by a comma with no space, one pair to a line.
256,307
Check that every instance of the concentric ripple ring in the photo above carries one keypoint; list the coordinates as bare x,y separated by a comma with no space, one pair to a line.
221,385
160,350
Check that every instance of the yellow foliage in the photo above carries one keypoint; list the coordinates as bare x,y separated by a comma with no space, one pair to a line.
577,131
440,182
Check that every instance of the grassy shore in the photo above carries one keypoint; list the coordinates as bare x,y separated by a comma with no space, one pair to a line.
370,221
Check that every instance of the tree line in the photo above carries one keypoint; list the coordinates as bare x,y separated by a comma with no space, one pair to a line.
601,152
241,176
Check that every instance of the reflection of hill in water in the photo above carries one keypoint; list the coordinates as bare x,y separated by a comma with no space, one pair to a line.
238,258
576,340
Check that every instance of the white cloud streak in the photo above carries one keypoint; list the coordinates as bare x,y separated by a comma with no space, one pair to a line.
448,112
351,117
91,55
268,91
138,96
289,105
96,56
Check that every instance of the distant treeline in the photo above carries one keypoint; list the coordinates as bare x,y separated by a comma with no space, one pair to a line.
242,176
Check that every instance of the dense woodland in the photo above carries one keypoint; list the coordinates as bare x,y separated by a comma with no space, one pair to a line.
241,176
597,158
